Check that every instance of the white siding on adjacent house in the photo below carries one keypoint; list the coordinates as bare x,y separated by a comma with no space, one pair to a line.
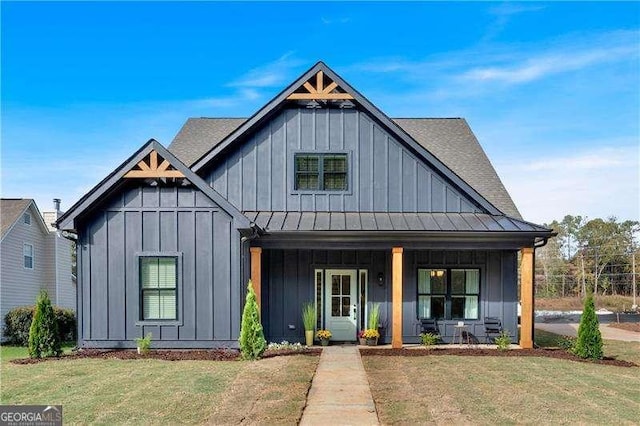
19,286
66,290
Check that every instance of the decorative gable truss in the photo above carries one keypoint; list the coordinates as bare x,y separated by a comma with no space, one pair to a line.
324,89
151,167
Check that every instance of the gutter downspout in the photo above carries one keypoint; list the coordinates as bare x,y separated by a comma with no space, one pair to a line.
243,258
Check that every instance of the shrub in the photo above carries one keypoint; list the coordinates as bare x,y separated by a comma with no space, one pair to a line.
17,323
567,343
144,343
252,341
309,316
44,337
429,339
589,341
503,340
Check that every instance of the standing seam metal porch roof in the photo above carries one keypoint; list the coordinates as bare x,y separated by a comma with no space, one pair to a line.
382,221
449,139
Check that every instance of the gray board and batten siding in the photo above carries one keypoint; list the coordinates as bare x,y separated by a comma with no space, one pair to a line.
288,282
384,175
160,219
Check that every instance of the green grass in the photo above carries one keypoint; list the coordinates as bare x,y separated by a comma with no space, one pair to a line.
497,390
628,351
111,391
9,352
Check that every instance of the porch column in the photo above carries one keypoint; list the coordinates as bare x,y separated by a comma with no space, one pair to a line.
256,271
526,298
396,299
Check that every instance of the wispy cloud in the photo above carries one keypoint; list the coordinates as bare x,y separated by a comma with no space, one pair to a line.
251,87
474,71
600,181
503,14
272,74
332,21
548,63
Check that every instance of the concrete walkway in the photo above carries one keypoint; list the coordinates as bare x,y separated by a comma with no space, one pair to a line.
340,393
571,329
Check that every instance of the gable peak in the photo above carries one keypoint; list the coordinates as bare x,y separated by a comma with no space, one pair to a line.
320,87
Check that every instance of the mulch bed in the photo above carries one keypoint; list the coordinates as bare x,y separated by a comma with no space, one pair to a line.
549,353
629,326
167,355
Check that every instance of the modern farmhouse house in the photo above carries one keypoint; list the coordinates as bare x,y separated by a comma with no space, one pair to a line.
318,197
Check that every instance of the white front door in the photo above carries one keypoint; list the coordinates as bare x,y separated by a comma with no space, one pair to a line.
341,303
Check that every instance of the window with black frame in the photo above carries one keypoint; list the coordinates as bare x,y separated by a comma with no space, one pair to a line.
158,288
448,293
321,172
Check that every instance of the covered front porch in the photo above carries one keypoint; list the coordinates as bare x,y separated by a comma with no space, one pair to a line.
410,281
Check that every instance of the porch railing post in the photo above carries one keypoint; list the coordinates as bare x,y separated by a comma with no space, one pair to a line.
256,271
526,298
396,283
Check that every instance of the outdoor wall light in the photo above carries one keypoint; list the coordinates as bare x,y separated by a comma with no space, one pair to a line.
380,279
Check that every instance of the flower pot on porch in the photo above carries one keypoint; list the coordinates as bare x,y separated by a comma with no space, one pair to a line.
324,342
362,341
308,335
372,342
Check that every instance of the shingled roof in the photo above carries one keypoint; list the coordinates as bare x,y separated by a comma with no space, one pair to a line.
449,139
10,210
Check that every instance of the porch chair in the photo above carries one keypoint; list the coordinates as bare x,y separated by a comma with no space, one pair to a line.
492,326
429,326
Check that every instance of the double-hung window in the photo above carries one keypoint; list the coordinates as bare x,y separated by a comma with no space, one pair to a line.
26,218
321,172
27,255
158,288
448,293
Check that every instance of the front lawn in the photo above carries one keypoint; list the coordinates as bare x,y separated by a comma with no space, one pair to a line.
112,391
498,390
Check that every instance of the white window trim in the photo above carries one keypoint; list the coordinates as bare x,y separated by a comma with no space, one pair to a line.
24,254
25,216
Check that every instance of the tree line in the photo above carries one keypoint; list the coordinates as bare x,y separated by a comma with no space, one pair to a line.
597,255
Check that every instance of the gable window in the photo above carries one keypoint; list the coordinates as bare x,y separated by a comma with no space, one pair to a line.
27,254
158,288
26,218
448,293
321,172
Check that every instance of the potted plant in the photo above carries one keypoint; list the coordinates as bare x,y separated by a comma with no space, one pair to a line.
323,336
144,344
309,321
371,336
374,316
361,340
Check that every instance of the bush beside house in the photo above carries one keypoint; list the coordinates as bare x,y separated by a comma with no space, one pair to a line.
44,338
252,341
589,341
17,323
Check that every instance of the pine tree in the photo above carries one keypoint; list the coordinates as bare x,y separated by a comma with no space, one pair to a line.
44,339
252,341
589,342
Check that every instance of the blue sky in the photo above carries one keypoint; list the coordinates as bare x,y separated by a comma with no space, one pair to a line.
552,90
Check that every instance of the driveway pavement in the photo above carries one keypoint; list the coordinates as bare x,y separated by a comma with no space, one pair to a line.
571,329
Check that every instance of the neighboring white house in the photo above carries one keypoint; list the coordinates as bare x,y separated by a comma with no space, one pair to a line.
33,256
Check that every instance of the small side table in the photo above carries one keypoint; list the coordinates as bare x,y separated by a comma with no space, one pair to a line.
460,330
